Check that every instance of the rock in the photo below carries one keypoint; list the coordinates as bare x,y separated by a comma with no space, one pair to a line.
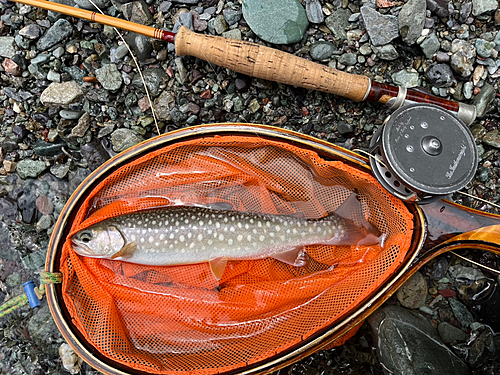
232,16
411,20
86,4
30,168
109,77
322,50
484,48
43,331
439,269
7,46
59,170
8,210
348,59
83,125
408,344
450,333
70,360
140,45
461,313
338,22
26,203
468,86
44,205
465,274
232,34
483,6
430,46
406,78
94,154
44,223
492,139
219,24
61,94
69,114
387,52
153,78
122,139
43,148
344,128
314,11
277,21
442,57
413,292
483,100
163,104
31,32
438,7
440,75
381,28
462,58
57,32
138,12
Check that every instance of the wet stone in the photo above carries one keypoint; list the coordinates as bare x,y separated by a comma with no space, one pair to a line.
278,21
450,333
30,168
484,48
492,139
140,45
44,205
461,313
411,20
57,32
483,100
381,28
27,205
408,344
337,22
322,50
440,75
387,52
43,148
109,77
153,78
43,331
439,269
138,12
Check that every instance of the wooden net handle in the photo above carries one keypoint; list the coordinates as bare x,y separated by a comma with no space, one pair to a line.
270,64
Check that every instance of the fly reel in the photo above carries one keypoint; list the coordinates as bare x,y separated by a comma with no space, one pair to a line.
423,153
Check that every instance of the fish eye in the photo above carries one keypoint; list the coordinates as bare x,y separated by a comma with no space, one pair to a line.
86,237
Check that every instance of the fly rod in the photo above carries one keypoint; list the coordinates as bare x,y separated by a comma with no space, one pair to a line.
271,64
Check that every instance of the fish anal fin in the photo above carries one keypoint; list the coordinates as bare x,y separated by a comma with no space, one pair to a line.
296,257
218,266
126,251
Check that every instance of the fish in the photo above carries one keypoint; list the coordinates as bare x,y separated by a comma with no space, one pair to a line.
180,235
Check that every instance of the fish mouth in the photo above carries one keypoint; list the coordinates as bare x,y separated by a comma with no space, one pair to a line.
80,249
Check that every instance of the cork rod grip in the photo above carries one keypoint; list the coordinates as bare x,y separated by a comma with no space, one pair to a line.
270,64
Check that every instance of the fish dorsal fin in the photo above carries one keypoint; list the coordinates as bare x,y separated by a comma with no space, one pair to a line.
217,266
126,251
296,257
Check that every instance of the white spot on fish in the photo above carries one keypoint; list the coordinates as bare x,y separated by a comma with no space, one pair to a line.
171,236
132,237
151,239
157,244
200,223
143,239
181,238
186,221
247,226
232,229
153,222
240,237
190,235
268,224
277,227
254,231
221,237
240,225
217,225
249,238
261,238
139,222
177,223
230,241
259,224
162,237
294,231
251,221
200,237
210,242
225,220
191,245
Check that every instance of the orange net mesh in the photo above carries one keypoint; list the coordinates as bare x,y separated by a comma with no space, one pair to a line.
179,319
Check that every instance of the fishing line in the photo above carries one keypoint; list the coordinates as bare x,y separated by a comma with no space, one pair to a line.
374,157
138,69
479,199
476,263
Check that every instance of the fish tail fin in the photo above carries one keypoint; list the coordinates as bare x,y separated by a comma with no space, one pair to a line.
363,233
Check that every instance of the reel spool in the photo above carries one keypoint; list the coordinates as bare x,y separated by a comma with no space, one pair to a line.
426,153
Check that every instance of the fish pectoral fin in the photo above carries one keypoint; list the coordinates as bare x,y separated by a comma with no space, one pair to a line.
296,257
126,251
217,266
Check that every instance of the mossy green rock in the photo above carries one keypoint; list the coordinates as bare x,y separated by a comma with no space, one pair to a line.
277,21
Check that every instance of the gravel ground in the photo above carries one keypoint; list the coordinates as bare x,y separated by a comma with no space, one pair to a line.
71,96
